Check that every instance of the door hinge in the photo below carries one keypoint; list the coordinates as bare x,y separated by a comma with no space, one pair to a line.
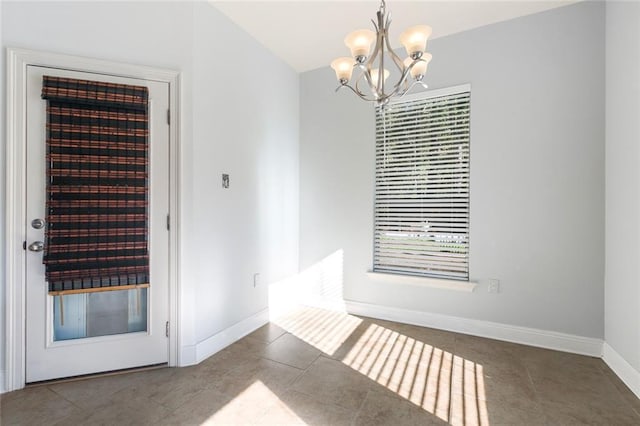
168,222
166,329
24,245
168,116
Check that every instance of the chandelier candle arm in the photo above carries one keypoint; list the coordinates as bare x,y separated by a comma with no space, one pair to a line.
381,73
372,67
393,55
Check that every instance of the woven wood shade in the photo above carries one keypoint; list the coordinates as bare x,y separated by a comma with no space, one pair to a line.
97,185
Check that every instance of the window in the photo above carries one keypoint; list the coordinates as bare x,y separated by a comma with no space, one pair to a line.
421,215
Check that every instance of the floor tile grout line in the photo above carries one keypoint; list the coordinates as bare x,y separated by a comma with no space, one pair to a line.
536,393
302,370
306,370
65,398
359,410
313,396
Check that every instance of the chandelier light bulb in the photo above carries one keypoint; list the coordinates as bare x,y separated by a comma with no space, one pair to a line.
374,76
414,40
343,67
360,42
420,68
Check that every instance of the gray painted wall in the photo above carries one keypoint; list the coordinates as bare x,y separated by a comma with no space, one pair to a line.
622,277
537,174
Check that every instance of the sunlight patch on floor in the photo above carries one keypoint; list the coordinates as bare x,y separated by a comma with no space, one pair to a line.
325,330
443,384
250,403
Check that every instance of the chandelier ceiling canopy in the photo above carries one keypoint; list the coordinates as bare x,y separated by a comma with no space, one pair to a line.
370,83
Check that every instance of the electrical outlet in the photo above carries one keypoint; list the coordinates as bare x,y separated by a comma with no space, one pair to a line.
494,285
256,279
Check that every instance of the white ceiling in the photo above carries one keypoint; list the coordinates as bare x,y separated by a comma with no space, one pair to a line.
310,34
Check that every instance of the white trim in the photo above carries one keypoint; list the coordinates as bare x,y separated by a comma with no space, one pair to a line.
428,94
221,340
175,177
2,388
320,302
629,375
441,283
15,222
510,333
188,356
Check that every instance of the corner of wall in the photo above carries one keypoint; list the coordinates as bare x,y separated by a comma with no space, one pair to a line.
622,202
2,203
629,375
226,337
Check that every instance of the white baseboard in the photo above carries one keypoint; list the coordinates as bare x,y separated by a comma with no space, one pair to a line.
629,375
221,340
510,333
2,383
187,356
325,303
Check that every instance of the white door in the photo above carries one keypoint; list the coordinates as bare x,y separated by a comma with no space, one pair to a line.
75,334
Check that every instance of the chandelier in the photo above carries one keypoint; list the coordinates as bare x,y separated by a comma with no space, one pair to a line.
370,84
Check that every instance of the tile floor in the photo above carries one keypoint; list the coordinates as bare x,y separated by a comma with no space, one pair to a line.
326,368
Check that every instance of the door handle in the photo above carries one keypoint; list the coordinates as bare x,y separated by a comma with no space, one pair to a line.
36,246
37,223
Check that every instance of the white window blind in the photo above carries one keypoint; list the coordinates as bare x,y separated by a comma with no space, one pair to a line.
422,186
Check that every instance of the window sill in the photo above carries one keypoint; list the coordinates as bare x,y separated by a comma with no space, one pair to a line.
467,286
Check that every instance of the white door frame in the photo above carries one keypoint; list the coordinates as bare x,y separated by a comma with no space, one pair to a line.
15,220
